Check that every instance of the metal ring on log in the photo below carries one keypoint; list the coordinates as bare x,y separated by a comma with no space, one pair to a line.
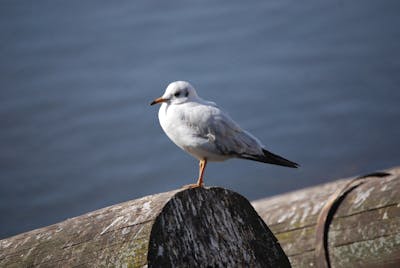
326,215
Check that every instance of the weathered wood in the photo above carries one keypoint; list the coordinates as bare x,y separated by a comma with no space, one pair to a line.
115,235
225,229
365,230
196,227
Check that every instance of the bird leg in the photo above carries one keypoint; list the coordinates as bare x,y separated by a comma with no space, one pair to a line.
202,167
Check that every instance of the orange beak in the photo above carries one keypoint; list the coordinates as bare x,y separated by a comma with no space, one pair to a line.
158,100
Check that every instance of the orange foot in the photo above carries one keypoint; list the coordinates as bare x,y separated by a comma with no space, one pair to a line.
191,186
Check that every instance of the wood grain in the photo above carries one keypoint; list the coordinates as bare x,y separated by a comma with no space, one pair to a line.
365,230
197,227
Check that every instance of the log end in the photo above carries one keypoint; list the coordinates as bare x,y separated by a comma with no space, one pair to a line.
199,227
212,227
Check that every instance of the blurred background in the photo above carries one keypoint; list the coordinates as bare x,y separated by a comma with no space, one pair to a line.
318,83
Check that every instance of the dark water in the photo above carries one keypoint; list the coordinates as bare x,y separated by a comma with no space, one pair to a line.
319,83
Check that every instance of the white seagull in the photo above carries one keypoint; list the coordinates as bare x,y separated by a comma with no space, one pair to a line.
206,132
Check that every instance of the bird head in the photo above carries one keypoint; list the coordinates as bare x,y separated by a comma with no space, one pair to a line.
176,93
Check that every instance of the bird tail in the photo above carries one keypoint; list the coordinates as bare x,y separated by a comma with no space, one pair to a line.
271,158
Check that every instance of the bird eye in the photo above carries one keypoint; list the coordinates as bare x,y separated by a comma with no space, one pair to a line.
177,94
186,93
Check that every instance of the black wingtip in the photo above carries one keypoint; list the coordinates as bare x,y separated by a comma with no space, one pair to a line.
271,158
294,165
278,160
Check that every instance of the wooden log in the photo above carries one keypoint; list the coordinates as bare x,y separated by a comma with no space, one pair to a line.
197,227
364,231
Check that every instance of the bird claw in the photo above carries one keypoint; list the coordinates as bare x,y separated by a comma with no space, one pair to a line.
191,186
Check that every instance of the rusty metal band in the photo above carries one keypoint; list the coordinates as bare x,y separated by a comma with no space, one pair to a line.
326,215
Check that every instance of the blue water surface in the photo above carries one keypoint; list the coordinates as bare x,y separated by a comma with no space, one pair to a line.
317,82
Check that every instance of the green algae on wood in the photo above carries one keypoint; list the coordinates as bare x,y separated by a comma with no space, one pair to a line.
206,227
364,231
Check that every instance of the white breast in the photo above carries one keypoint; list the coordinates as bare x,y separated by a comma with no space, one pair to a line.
169,116
187,130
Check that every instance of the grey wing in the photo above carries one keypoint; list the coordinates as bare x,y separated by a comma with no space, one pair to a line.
225,137
230,139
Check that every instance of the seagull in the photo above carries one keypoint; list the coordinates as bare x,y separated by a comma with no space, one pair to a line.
206,132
